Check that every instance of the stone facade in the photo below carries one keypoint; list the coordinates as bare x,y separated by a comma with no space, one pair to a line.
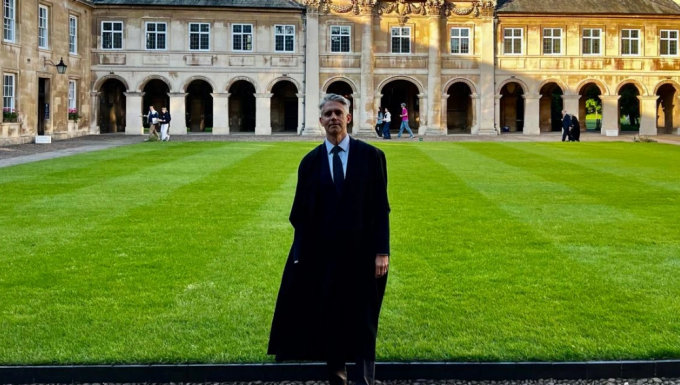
24,61
468,66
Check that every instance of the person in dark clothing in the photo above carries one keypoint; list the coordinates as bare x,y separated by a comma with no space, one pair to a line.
165,124
566,125
575,131
335,276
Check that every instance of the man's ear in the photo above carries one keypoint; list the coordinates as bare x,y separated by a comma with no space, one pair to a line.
349,118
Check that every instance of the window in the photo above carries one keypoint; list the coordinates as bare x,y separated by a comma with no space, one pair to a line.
9,19
592,41
43,37
340,38
460,40
669,43
156,35
284,36
112,35
73,35
8,101
242,37
512,41
401,39
552,41
72,95
199,36
630,41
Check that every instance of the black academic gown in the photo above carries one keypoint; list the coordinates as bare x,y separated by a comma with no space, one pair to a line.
329,301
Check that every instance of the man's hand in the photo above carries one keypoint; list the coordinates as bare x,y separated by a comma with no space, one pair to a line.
381,263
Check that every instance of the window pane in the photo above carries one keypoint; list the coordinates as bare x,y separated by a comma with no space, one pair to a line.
507,32
279,29
335,30
290,30
290,43
193,27
455,46
117,40
547,32
279,43
247,28
395,45
237,43
117,26
160,27
557,46
151,27
345,44
517,46
237,28
596,46
625,33
465,46
345,30
635,33
160,41
455,32
395,31
673,34
507,46
625,48
205,42
249,42
205,27
106,27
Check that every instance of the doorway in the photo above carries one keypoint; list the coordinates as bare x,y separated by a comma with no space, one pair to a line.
43,104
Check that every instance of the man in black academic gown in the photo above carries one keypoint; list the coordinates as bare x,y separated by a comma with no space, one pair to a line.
335,276
566,125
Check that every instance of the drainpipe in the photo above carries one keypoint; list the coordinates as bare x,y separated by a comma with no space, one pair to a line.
304,72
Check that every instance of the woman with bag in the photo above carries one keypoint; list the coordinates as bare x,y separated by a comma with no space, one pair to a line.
387,119
153,122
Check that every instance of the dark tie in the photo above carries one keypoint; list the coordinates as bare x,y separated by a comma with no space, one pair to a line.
338,174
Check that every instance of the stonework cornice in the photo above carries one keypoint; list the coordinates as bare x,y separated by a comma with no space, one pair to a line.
402,8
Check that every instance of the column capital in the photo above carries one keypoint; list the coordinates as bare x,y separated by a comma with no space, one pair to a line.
472,96
177,94
445,96
133,94
422,96
610,97
648,98
300,95
498,97
220,94
94,93
355,95
263,95
571,97
532,96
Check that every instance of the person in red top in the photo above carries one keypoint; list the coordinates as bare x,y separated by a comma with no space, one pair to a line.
404,122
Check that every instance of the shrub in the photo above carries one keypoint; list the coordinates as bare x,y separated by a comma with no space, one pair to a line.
9,115
73,114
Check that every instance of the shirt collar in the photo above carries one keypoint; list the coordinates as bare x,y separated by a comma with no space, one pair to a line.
344,144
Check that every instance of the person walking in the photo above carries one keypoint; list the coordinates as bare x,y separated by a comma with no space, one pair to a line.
387,120
575,131
404,122
165,119
152,118
336,273
379,124
566,124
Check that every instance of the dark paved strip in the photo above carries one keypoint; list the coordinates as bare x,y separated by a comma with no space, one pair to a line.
472,371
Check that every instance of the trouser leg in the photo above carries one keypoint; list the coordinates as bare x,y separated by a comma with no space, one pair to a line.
337,372
401,129
365,371
565,133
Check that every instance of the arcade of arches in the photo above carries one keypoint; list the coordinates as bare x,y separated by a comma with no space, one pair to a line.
280,111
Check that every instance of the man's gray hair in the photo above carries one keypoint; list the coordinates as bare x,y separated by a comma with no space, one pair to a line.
335,98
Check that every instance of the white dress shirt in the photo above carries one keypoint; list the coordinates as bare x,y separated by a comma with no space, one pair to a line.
344,144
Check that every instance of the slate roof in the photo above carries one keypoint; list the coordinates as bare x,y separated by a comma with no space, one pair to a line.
275,4
628,7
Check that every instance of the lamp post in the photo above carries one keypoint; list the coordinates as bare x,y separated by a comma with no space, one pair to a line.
61,67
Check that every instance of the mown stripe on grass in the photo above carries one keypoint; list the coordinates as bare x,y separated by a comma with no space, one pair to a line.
131,281
641,284
647,164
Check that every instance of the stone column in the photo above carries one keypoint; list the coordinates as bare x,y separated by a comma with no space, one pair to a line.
570,103
496,117
312,126
356,114
94,107
443,116
434,74
422,126
489,118
532,108
301,111
476,112
178,107
134,124
220,113
263,115
610,113
648,115
366,120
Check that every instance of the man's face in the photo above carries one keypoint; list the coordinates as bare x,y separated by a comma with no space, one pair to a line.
334,118
163,110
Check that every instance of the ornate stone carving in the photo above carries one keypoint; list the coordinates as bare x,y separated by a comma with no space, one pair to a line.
477,8
434,7
357,7
402,8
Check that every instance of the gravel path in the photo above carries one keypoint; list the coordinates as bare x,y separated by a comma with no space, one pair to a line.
610,381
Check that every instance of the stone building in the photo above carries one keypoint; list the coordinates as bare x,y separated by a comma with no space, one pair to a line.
37,35
261,66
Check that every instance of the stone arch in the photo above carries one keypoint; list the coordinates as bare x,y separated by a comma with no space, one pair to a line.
244,78
565,88
141,86
451,82
664,82
198,77
283,78
641,88
604,90
100,82
522,84
383,83
334,79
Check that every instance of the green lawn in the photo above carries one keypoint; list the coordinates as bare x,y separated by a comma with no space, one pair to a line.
173,252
